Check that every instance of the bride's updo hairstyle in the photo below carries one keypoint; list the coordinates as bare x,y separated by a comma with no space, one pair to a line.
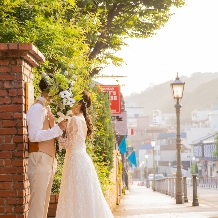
86,102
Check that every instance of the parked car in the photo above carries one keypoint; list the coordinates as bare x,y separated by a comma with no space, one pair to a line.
150,177
159,176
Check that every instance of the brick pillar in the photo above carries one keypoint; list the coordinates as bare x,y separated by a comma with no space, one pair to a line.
16,64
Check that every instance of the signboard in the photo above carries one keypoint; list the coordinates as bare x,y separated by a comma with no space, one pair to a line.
29,95
115,97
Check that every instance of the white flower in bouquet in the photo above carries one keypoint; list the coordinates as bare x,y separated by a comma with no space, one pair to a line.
65,94
71,102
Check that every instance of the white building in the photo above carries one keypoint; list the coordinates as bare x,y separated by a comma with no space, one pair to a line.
160,119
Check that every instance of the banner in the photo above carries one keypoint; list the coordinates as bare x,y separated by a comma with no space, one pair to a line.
115,97
122,146
132,158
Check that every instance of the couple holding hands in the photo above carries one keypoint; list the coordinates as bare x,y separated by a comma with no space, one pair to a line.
80,192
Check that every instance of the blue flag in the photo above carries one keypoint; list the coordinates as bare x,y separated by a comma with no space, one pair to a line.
132,158
122,145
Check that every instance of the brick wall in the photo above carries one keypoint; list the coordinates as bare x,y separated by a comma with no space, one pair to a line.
16,64
53,206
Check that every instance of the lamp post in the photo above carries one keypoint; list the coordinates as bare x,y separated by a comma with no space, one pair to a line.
153,142
146,158
177,88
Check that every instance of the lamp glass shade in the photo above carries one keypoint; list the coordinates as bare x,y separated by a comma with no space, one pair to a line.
153,143
177,88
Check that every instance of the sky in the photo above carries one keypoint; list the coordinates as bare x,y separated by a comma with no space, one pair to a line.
187,44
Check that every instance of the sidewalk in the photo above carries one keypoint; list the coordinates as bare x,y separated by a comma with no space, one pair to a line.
142,202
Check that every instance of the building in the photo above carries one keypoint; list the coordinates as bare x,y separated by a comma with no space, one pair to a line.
203,153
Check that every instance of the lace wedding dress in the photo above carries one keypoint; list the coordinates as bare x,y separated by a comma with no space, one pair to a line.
80,192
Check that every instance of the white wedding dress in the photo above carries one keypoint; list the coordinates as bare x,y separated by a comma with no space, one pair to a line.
80,192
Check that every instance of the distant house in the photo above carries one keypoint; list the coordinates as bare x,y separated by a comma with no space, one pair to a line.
204,156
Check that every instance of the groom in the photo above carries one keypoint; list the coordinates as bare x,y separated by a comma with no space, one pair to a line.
42,162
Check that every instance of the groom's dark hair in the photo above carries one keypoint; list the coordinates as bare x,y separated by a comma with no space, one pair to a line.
43,85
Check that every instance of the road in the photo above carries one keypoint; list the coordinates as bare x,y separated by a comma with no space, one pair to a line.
206,196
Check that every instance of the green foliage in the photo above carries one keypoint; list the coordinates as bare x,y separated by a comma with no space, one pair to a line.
102,145
194,168
121,19
51,27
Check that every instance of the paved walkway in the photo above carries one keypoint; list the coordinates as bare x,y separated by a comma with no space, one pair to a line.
142,202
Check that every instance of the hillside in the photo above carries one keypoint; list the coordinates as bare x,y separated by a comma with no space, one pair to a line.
200,92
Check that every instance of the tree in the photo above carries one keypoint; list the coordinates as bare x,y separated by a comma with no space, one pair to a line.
121,19
51,27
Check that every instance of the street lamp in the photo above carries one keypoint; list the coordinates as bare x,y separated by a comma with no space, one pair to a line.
177,88
153,142
146,158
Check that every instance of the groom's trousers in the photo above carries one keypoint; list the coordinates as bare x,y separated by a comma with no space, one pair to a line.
41,170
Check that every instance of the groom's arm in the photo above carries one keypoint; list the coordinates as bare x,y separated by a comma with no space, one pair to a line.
35,121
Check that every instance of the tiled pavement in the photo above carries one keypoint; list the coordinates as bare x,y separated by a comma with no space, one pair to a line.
142,202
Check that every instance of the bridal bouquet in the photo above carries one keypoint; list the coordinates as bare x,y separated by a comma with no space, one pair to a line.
63,95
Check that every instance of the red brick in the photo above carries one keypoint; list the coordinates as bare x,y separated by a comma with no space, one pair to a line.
18,139
5,177
8,170
8,216
4,154
9,108
18,84
19,185
10,201
13,46
8,76
3,93
2,201
17,68
1,84
4,70
20,147
7,147
2,209
7,163
4,62
9,209
8,85
5,100
18,162
10,131
12,92
1,139
3,46
8,139
26,46
5,185
8,193
18,115
19,154
6,123
18,100
20,92
5,115
1,163
18,177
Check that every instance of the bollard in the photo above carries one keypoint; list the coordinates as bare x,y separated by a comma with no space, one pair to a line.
185,189
195,195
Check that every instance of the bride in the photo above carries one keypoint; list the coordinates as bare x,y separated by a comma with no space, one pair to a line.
80,192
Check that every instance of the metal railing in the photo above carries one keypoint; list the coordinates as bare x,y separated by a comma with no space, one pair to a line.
208,182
